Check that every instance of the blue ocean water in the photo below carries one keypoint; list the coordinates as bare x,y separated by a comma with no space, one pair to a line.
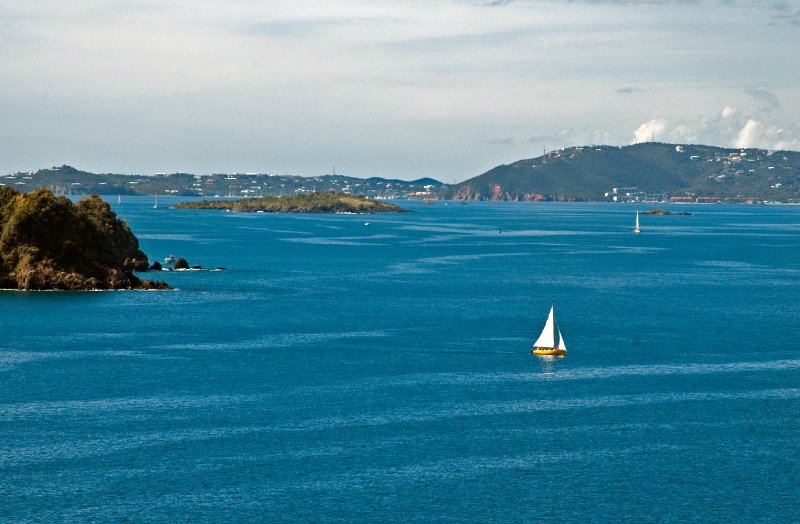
377,368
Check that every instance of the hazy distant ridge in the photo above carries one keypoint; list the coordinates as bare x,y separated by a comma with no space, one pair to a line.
69,180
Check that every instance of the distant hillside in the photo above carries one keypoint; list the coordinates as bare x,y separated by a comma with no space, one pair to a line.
588,173
71,181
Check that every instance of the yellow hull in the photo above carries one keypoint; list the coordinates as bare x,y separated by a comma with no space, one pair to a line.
548,351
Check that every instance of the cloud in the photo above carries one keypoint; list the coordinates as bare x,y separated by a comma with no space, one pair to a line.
751,135
286,27
558,137
507,141
650,130
290,86
768,97
601,136
756,134
787,11
638,2
728,128
305,27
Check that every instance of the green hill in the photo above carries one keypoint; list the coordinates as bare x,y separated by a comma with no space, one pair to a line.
588,173
311,203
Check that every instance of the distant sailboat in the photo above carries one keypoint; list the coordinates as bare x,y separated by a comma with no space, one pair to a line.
550,342
155,205
636,229
119,198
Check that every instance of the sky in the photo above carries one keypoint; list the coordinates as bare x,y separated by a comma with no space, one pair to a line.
394,88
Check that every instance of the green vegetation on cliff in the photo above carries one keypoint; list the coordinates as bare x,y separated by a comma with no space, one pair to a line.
312,203
47,242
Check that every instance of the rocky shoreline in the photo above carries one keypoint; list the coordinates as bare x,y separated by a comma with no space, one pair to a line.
50,243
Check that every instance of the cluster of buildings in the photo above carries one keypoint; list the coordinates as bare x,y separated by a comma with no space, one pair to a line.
632,194
726,172
67,180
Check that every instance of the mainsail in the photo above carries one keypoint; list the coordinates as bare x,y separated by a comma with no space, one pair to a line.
547,338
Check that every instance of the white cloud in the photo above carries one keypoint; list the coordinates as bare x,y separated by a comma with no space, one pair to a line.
650,131
729,128
766,96
756,134
751,135
601,136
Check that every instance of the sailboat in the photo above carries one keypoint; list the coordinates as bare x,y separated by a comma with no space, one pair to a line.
155,205
636,229
547,344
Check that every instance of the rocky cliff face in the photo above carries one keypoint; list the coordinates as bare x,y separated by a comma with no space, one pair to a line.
496,192
47,242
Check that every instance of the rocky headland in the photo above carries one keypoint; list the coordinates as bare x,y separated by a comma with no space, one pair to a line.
50,243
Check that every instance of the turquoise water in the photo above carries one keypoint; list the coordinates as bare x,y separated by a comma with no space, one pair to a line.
348,372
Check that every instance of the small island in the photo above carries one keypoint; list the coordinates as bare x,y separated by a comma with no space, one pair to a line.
50,243
312,203
664,212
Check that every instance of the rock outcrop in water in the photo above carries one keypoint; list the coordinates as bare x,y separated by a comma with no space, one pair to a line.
662,212
48,242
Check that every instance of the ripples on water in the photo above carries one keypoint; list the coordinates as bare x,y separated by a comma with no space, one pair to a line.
382,373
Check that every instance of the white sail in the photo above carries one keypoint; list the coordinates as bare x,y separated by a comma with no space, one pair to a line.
637,223
561,344
547,338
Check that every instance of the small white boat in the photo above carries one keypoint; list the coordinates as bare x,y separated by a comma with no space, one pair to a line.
550,342
637,229
155,205
169,260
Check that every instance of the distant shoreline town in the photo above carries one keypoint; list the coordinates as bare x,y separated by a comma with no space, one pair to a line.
68,180
647,172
